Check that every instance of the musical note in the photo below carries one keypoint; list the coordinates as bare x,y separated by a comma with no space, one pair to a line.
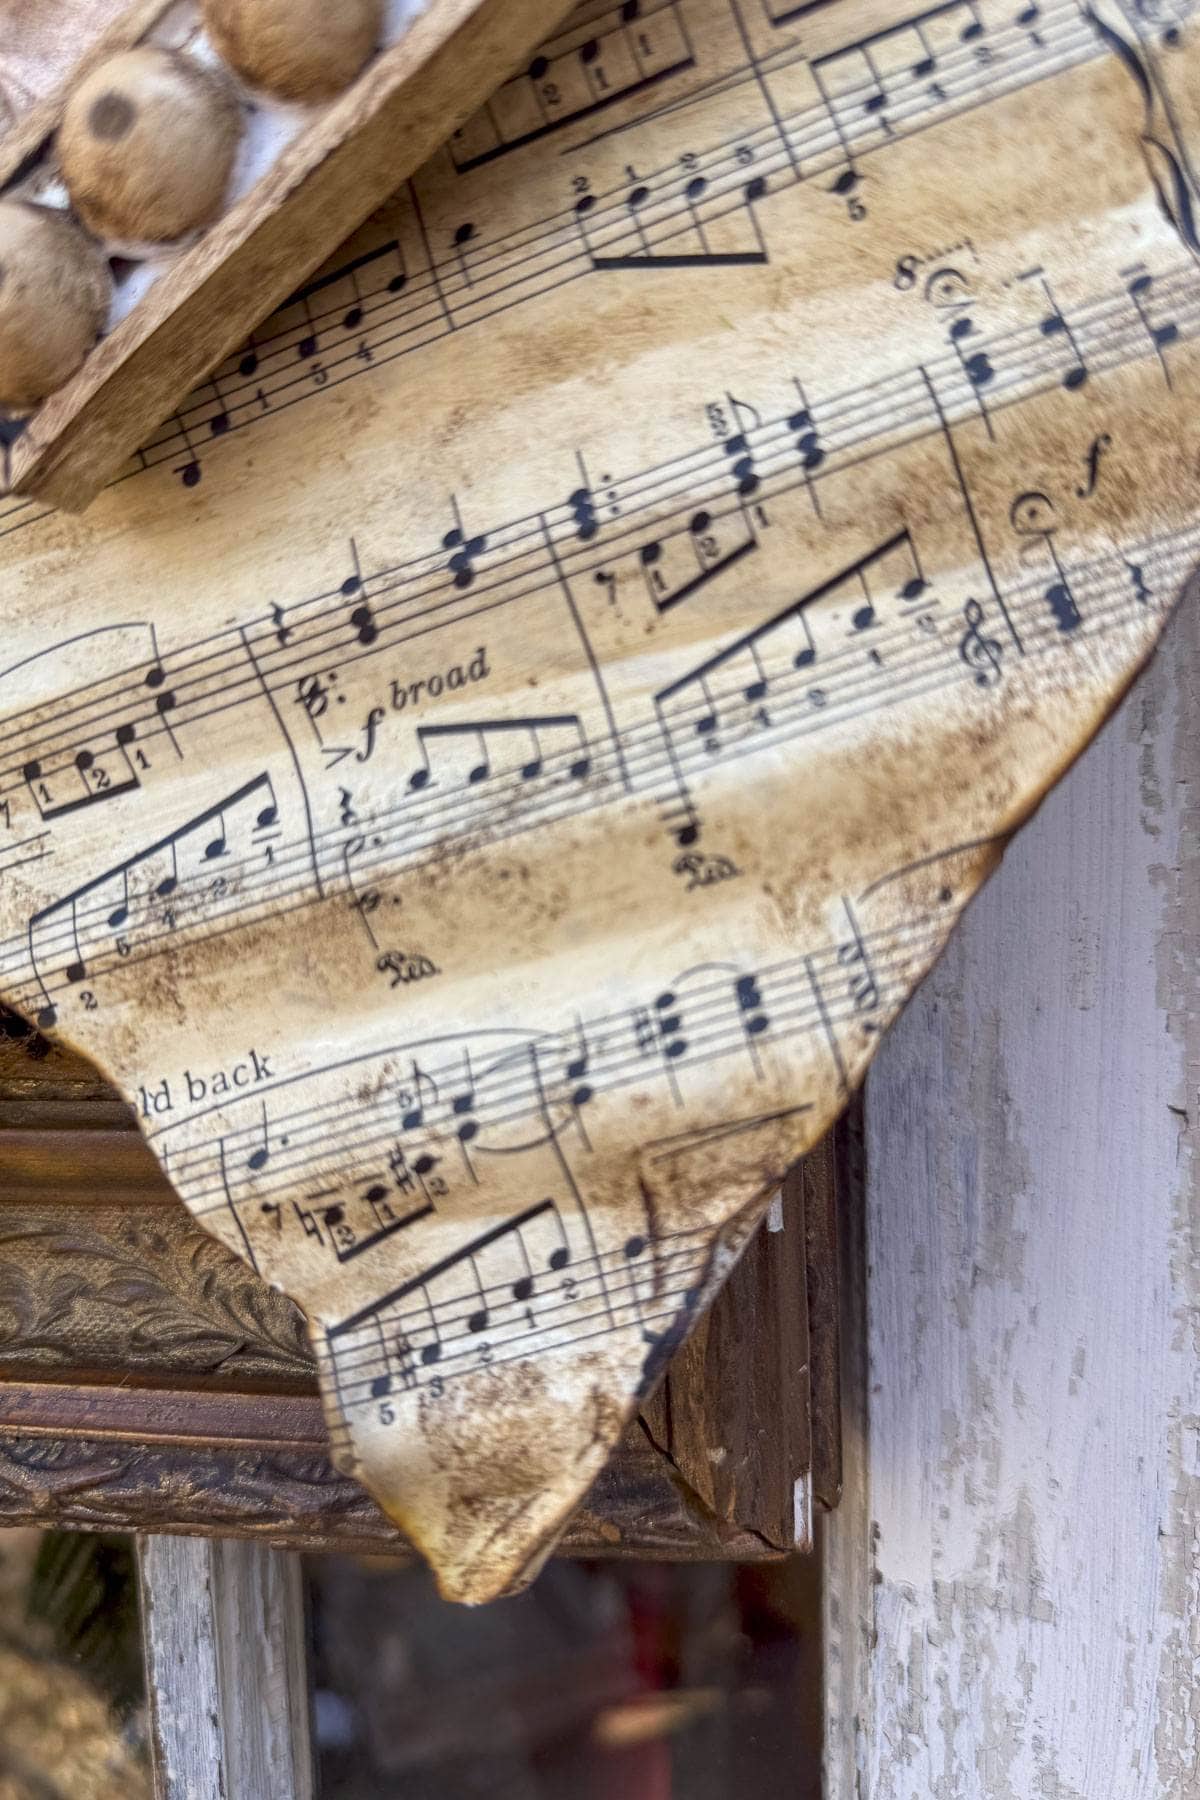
1033,516
577,1068
362,619
189,472
283,633
754,1016
1063,607
422,1284
571,757
583,510
164,702
1055,327
720,233
461,563
976,364
1140,288
413,1100
644,1035
715,232
690,704
218,422
120,912
102,915
462,1104
307,345
669,1020
749,999
632,1251
260,1156
570,82
809,447
95,776
852,956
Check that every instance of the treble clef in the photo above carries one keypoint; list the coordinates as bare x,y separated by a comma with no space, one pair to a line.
982,654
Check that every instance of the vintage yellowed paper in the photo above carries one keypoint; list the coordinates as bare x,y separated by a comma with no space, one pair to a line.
485,779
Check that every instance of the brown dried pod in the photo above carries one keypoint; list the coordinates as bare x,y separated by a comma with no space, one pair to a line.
54,295
297,49
147,144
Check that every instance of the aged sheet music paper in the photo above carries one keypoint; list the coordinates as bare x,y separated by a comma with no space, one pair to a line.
485,779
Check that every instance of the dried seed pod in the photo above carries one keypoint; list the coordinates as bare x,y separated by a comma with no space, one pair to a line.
54,295
297,49
147,144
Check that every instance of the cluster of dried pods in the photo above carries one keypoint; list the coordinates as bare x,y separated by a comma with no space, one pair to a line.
145,150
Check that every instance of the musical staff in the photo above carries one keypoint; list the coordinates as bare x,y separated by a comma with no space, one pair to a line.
486,819
591,64
396,302
758,706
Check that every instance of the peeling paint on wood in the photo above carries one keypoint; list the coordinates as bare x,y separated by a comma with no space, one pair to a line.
1014,1580
226,1670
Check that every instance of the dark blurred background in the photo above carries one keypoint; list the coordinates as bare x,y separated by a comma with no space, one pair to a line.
604,1681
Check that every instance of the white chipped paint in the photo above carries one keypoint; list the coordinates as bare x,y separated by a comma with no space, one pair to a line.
1014,1580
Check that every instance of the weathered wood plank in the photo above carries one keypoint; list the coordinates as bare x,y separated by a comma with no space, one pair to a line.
1014,1580
226,1670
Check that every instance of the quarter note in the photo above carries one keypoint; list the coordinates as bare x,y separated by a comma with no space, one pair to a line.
806,655
309,343
362,619
464,550
670,1019
754,1016
189,472
577,1068
167,885
583,511
120,912
1063,608
218,422
706,725
808,439
260,1156
463,1104
976,364
1140,289
1055,327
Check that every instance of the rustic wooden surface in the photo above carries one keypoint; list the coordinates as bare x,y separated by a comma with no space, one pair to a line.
1013,1601
149,1380
349,159
225,1641
736,1414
